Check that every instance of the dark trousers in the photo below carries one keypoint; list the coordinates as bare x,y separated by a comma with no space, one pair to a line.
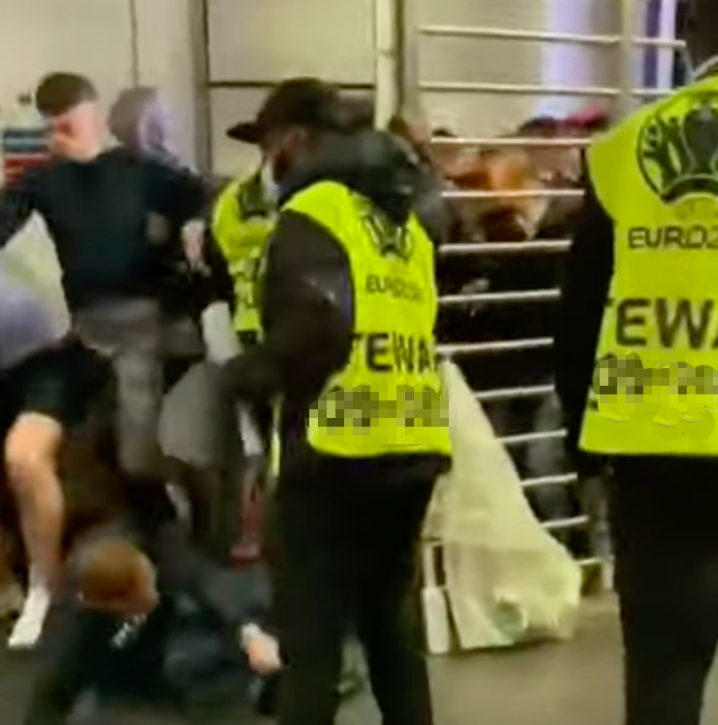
665,520
347,553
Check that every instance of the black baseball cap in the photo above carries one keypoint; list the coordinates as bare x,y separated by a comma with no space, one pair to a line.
307,102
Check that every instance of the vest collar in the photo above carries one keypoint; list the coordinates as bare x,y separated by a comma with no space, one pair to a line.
252,199
708,67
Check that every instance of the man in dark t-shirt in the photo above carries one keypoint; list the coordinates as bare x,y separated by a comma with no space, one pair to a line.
96,204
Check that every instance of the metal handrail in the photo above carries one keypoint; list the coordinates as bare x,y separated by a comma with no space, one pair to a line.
457,31
540,193
564,479
548,245
478,348
512,142
501,297
532,391
575,522
529,89
517,89
524,438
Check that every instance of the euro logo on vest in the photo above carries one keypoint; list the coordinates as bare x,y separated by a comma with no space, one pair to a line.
678,147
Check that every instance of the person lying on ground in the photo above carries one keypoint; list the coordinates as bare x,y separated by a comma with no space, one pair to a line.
124,581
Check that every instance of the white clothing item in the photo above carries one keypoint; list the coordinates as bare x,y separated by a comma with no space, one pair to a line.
507,579
28,628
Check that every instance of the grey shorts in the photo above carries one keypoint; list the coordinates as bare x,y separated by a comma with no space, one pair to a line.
129,333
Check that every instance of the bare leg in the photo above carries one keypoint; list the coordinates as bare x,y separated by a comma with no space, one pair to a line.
31,450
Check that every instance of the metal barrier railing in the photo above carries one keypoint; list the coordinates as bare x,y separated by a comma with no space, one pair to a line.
532,391
544,295
554,245
625,94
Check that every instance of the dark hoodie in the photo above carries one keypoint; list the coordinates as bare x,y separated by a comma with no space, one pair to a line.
308,306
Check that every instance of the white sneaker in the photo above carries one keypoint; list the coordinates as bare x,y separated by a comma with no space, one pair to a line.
28,628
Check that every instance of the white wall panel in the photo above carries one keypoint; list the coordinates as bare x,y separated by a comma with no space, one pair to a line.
268,40
93,37
272,39
89,36
165,59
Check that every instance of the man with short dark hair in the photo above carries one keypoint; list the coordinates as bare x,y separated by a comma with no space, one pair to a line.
636,372
95,204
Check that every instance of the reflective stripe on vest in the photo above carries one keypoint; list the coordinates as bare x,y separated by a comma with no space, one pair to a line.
242,239
655,388
389,398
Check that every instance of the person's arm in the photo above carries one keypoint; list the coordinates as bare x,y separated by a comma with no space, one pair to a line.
18,200
585,289
174,193
235,597
307,316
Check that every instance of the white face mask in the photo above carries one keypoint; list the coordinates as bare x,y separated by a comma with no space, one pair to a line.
270,189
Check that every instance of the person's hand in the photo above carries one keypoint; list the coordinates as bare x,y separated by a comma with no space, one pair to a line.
262,650
193,244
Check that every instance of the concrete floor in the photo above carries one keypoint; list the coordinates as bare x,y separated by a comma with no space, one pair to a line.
559,684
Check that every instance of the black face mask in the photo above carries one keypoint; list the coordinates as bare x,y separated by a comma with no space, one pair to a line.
281,166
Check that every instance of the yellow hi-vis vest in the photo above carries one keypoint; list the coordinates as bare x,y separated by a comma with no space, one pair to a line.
655,386
389,398
241,224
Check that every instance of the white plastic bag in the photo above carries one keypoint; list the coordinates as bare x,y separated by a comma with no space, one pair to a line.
507,580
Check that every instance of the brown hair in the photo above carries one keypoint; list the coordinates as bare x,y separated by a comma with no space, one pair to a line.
60,92
110,569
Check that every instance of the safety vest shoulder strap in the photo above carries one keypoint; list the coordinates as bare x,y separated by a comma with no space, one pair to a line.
326,202
225,207
333,204
251,201
607,152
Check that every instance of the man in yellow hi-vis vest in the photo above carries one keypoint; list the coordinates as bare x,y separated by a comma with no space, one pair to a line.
637,370
348,306
242,220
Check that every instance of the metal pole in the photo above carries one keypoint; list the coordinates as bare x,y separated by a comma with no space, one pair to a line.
408,35
199,27
626,61
134,43
386,60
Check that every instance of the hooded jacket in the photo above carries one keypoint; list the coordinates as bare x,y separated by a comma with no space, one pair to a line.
307,306
143,122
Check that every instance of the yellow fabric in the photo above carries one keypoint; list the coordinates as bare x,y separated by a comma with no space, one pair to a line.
389,399
657,177
242,239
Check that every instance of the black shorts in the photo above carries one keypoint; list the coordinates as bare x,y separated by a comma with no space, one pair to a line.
60,383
